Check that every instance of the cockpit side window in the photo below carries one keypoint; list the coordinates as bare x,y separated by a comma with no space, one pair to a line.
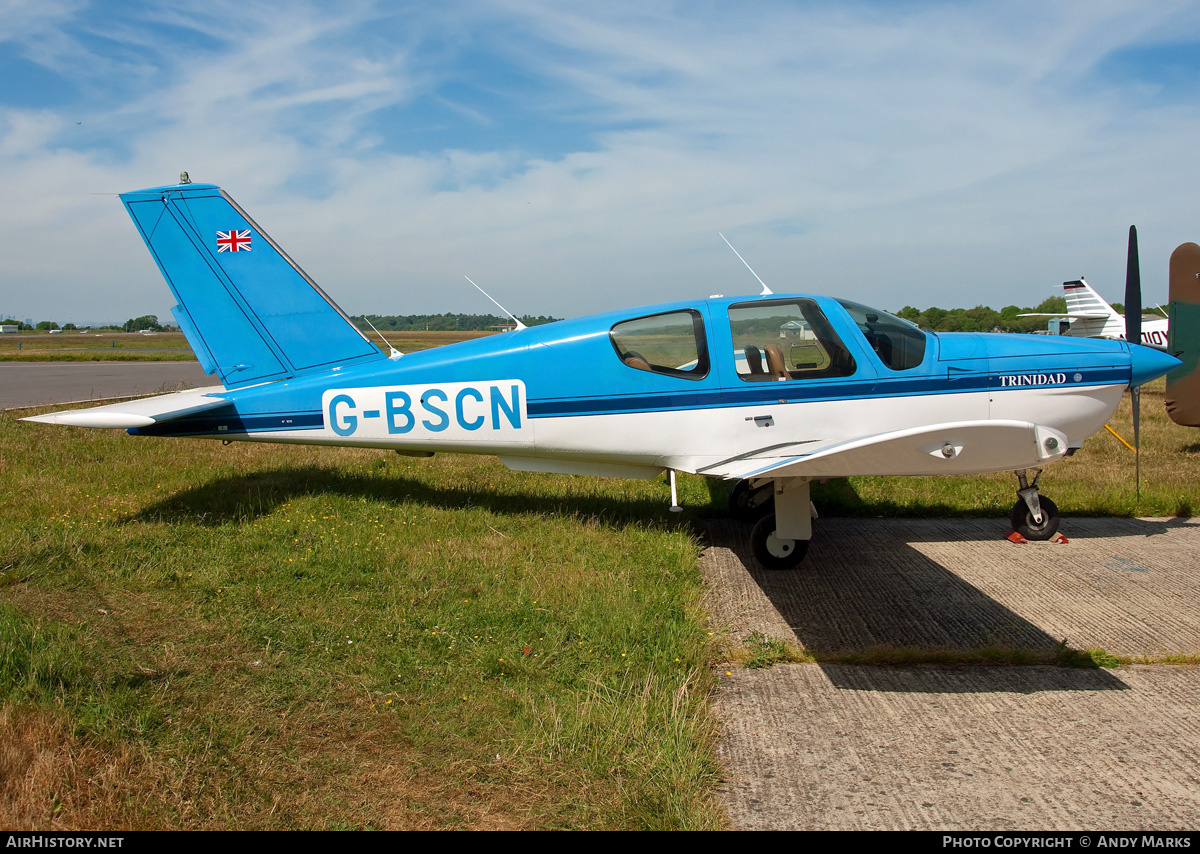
899,344
672,343
786,340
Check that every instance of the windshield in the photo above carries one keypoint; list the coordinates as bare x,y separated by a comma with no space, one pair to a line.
897,343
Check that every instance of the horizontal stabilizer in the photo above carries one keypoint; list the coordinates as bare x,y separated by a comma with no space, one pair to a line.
138,413
1071,314
964,447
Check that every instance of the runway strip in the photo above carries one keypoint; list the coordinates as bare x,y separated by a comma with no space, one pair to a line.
37,383
815,746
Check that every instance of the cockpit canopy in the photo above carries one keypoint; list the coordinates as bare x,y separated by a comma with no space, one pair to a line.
899,344
786,339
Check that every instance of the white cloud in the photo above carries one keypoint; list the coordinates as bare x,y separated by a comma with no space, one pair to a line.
927,154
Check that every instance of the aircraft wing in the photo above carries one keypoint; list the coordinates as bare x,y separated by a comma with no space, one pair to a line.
138,413
962,447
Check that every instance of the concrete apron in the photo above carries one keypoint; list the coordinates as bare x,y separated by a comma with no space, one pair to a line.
834,746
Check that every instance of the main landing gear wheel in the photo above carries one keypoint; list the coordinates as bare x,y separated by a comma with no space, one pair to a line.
749,505
1022,519
775,552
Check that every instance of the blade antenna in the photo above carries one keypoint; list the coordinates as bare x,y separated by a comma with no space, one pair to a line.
765,289
514,318
1133,334
394,354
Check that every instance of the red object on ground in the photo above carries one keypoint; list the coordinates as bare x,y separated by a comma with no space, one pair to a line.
1015,537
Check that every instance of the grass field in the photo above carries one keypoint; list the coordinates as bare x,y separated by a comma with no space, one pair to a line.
251,636
74,346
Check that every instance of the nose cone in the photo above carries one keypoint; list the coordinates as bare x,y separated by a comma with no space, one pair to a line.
1147,364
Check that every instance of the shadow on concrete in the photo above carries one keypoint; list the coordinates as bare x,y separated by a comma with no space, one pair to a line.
862,593
971,680
1072,527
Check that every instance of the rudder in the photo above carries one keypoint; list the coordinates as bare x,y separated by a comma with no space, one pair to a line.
249,312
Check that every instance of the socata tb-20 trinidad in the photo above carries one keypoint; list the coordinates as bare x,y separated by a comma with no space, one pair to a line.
772,391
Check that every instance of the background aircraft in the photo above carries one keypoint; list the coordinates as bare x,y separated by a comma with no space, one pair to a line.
773,391
1089,316
1183,383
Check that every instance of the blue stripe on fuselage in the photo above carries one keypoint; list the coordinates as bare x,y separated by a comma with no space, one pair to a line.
207,424
215,423
762,393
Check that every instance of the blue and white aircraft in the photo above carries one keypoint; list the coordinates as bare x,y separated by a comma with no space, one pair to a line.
772,391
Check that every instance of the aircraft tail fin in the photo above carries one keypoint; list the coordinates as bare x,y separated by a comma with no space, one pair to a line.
1091,315
249,312
1083,301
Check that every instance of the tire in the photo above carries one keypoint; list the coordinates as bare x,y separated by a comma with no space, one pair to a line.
749,505
1023,524
773,552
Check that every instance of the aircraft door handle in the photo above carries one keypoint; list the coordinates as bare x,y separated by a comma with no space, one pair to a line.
761,420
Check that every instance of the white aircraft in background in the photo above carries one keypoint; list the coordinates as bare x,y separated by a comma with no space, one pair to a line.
1089,316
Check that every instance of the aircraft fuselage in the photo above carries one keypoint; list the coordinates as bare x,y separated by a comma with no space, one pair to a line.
562,392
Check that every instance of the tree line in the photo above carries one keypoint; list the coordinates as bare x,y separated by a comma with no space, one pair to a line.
443,322
983,318
978,319
134,324
448,322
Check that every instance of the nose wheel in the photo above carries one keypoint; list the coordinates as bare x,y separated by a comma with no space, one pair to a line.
1034,516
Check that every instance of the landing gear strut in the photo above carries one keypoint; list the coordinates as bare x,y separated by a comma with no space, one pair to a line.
750,503
1034,516
780,539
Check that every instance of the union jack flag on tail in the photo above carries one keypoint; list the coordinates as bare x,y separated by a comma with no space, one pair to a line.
233,241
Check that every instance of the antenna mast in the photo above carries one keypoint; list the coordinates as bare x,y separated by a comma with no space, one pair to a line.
765,289
395,354
514,318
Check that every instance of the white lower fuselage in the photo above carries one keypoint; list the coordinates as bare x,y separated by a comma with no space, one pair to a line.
641,444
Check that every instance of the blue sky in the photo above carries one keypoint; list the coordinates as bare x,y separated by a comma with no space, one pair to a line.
578,157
